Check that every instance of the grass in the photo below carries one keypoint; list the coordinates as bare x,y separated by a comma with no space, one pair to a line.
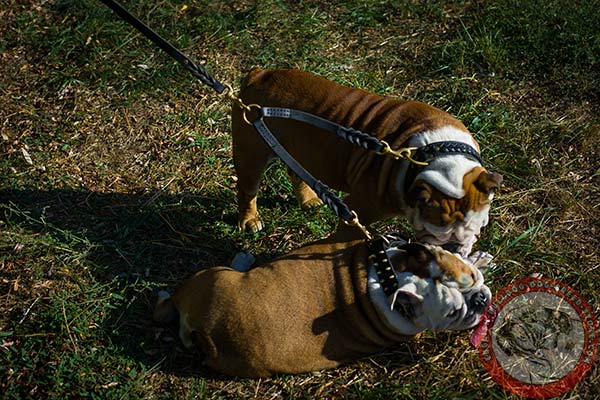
116,177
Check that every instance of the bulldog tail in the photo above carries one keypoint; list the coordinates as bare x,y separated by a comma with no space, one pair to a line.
164,310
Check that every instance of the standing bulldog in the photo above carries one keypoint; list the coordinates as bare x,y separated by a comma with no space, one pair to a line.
324,304
446,201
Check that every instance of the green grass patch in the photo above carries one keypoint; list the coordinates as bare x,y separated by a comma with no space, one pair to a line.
116,178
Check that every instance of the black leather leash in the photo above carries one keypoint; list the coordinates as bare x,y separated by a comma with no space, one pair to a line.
324,193
184,60
417,156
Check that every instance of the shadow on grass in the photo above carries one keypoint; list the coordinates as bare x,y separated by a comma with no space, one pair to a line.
129,234
132,245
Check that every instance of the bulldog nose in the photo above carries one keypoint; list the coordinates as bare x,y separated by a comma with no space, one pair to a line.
451,247
478,302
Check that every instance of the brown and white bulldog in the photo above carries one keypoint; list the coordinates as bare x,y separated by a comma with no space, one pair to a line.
446,201
321,305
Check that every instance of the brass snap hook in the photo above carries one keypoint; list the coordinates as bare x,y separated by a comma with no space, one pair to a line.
247,108
404,152
355,222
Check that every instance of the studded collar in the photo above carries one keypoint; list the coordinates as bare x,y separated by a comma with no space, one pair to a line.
429,152
381,263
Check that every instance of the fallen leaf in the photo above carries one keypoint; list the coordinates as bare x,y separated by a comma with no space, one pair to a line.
27,156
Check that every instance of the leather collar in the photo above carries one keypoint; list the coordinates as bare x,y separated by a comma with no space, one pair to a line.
381,262
433,150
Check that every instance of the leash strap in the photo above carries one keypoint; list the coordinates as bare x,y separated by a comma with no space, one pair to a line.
184,60
350,135
322,190
422,155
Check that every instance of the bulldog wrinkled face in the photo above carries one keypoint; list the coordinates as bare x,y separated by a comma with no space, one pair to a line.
443,220
447,292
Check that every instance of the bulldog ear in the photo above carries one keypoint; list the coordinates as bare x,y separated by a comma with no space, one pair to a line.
420,192
419,256
487,182
407,295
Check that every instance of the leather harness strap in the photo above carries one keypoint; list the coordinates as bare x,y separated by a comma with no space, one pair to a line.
322,190
350,135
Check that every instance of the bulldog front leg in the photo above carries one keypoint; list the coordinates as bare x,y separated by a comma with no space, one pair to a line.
306,197
250,157
248,218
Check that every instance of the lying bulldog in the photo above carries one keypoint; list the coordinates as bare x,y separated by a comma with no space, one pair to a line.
446,201
324,304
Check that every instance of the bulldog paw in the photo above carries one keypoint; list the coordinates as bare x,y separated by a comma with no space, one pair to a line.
242,261
311,203
251,225
480,259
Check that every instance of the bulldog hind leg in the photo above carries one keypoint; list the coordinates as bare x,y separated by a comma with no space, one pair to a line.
306,197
